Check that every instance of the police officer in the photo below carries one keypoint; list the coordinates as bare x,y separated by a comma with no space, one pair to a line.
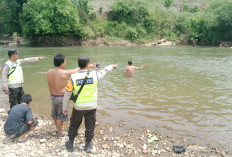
12,76
86,103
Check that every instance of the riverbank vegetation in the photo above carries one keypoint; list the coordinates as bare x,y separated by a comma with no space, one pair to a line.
53,22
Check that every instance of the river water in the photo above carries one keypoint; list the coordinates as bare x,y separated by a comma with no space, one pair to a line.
183,91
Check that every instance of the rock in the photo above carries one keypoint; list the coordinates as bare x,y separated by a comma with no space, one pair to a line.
154,44
145,151
163,150
144,147
104,146
117,138
111,130
40,152
42,140
120,145
164,40
168,149
198,148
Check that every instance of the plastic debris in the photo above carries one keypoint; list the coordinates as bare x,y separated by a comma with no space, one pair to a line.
178,149
153,138
2,109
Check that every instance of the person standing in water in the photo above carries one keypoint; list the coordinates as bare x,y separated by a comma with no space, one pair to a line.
98,67
130,69
57,79
12,76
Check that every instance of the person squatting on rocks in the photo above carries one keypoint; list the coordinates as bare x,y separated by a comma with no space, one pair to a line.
12,76
57,79
20,120
130,69
86,103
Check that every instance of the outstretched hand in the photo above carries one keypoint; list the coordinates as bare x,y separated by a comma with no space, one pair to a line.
41,58
115,66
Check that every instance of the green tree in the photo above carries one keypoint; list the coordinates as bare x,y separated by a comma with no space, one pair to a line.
50,19
9,15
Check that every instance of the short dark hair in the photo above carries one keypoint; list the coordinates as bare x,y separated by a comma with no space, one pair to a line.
58,60
26,98
12,52
97,65
83,61
130,62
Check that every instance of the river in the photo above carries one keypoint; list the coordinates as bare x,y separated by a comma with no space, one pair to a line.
182,91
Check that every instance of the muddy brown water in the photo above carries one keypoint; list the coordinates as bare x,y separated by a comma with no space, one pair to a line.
183,91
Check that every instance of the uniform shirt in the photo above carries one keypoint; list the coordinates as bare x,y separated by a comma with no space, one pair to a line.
6,70
69,89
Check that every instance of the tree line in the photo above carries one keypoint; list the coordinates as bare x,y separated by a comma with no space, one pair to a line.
134,20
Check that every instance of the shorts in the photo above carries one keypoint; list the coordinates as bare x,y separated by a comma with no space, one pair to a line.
57,108
24,128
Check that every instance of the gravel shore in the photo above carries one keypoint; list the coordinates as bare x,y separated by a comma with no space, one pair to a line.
107,143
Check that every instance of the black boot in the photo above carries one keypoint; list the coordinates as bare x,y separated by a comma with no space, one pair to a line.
88,146
69,145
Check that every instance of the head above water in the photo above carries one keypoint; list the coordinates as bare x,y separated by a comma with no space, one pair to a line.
83,61
129,62
26,98
12,52
58,60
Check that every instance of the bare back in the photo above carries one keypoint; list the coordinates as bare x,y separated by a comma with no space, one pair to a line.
57,80
130,70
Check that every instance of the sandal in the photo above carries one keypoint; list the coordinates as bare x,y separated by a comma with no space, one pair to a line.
22,140
65,133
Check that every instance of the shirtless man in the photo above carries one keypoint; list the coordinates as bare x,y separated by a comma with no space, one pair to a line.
130,69
57,79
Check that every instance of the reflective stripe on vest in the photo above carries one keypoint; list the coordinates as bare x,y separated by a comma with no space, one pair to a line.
16,76
88,95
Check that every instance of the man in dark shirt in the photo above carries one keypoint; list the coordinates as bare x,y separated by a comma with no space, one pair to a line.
20,120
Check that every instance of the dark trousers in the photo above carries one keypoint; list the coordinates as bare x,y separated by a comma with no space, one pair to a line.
15,96
75,122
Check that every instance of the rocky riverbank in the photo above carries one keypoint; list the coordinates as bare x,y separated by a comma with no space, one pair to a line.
107,142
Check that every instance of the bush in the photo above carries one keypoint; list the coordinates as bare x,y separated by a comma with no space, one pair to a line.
168,3
131,34
44,19
128,11
213,24
100,10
